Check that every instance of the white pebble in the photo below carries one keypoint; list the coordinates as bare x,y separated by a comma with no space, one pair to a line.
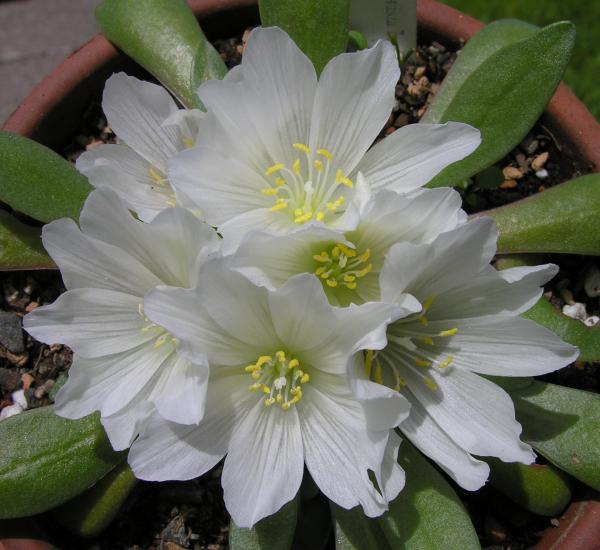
592,321
11,410
576,311
591,283
542,174
19,398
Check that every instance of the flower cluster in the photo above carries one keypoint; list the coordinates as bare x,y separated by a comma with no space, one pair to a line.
263,284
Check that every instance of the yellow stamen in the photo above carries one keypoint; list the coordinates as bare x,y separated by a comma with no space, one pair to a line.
423,320
303,218
332,282
351,286
280,356
319,217
301,147
449,332
269,191
377,374
296,167
366,270
427,302
279,205
347,251
430,383
275,168
426,340
341,178
188,142
446,362
318,165
422,363
279,181
349,278
293,363
325,153
322,257
365,255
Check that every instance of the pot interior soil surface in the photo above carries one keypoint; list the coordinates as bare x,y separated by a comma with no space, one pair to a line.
192,514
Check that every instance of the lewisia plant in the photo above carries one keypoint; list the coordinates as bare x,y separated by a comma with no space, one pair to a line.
268,286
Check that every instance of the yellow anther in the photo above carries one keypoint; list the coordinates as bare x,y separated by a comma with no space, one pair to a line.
446,362
351,286
322,257
255,386
318,165
293,363
285,406
430,383
275,168
301,147
251,368
449,332
335,252
365,271
427,302
319,216
256,375
171,203
303,218
377,374
304,379
426,340
156,176
347,251
423,363
298,212
266,389
279,205
279,181
296,167
331,282
349,278
340,177
423,320
270,401
188,142
368,363
269,191
280,356
326,274
320,270
263,359
325,153
365,255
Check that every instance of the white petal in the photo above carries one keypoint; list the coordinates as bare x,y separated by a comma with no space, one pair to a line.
169,246
414,154
354,98
92,322
85,262
392,479
198,335
135,111
264,465
182,391
476,413
124,171
509,347
125,425
430,439
339,448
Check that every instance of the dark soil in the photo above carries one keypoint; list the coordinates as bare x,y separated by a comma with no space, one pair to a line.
192,514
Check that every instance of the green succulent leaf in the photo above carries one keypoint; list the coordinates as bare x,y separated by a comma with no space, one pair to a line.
504,95
88,514
477,51
313,530
541,489
21,245
319,28
165,38
563,219
37,181
561,424
426,514
46,460
275,532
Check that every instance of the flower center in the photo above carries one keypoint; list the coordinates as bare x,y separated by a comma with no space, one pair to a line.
342,265
279,378
409,349
162,337
310,188
160,184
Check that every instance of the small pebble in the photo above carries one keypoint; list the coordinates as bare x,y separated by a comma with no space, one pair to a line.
538,162
43,389
19,398
592,321
512,173
591,282
31,306
555,522
508,184
541,174
11,334
575,311
26,380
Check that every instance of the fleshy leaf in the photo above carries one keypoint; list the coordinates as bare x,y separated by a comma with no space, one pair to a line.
539,488
505,95
319,28
561,424
164,37
21,245
477,51
37,181
88,514
426,514
563,219
275,532
46,460
314,524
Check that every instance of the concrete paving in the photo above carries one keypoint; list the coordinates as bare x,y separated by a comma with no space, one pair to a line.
35,36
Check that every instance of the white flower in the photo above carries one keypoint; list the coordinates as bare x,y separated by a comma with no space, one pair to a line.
469,325
124,365
278,396
151,129
279,149
348,264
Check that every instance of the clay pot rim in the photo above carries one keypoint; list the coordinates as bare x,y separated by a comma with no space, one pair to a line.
580,525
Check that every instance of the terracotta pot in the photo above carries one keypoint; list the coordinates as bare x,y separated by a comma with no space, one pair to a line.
52,112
